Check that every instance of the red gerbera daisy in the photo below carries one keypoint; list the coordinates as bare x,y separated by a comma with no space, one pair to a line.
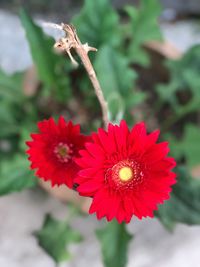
52,151
125,172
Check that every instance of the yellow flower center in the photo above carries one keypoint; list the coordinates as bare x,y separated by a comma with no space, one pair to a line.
125,174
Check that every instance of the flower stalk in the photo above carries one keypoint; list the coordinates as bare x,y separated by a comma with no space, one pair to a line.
72,41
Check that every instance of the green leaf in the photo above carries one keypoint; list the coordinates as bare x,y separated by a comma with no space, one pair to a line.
15,175
11,101
49,65
114,241
184,82
116,78
188,146
184,203
144,27
11,86
98,23
55,237
7,119
116,107
113,71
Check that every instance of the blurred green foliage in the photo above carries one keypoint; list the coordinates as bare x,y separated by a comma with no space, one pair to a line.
182,92
49,65
111,66
187,146
15,175
144,27
106,32
55,238
11,107
62,89
183,206
114,240
98,24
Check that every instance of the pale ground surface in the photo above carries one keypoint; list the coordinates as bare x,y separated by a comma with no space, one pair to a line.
23,213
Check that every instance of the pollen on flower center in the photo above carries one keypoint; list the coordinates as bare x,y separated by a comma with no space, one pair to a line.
63,152
125,174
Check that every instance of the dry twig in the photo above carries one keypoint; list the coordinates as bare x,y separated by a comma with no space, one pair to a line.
71,41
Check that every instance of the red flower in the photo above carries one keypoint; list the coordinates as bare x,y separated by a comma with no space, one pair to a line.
125,172
52,151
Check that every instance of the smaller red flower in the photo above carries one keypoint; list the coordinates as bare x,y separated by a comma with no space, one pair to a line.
126,172
52,151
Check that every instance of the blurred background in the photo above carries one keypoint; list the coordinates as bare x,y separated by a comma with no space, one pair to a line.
154,46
